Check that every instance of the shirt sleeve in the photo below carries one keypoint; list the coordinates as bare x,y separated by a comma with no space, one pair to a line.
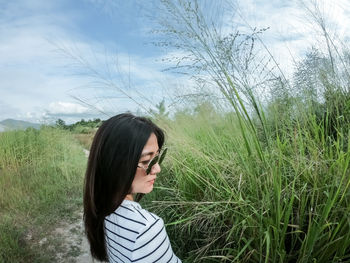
153,245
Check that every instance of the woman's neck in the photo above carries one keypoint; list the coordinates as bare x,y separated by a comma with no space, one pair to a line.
129,197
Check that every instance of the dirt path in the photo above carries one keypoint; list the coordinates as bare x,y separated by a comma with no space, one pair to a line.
75,245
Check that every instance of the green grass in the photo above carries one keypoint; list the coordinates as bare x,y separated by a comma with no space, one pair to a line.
41,180
224,203
270,181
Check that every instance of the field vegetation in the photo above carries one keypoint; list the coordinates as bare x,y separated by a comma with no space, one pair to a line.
250,177
41,177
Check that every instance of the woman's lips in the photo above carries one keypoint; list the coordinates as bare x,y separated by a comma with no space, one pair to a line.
152,181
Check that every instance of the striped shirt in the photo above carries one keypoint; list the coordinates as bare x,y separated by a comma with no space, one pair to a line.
135,235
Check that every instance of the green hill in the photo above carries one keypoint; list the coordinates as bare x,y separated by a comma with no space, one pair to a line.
11,124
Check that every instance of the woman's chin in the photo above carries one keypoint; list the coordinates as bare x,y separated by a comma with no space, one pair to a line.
150,188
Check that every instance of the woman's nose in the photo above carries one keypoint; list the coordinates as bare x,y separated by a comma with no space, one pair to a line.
155,168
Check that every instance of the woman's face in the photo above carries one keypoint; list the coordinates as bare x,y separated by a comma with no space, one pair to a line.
143,183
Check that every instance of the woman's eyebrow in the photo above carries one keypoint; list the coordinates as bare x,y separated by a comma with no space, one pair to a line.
147,153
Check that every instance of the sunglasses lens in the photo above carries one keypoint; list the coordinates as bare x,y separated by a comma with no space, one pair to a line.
163,155
153,162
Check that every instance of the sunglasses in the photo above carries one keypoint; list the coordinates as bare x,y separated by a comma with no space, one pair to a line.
157,159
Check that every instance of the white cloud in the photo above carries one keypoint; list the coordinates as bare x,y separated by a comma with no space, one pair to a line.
62,108
34,72
291,29
37,81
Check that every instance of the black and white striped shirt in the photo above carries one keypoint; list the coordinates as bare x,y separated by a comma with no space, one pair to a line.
135,235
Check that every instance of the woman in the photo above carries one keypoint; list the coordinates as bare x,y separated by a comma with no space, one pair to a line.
119,167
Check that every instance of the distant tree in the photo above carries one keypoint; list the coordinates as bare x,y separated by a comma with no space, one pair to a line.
61,124
160,111
84,126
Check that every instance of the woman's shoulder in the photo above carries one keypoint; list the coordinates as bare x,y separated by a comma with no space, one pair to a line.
132,215
135,209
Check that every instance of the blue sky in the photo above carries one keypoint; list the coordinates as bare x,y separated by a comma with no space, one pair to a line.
39,78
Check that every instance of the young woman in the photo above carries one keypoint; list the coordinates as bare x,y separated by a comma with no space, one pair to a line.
119,167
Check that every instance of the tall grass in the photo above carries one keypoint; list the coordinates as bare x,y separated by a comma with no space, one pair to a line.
227,205
262,183
41,174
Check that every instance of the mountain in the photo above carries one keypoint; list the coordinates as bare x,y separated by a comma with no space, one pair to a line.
10,124
2,128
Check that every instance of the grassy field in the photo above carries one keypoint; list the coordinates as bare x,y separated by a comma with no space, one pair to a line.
41,178
288,203
221,201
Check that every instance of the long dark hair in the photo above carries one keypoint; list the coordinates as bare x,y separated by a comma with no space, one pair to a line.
114,154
